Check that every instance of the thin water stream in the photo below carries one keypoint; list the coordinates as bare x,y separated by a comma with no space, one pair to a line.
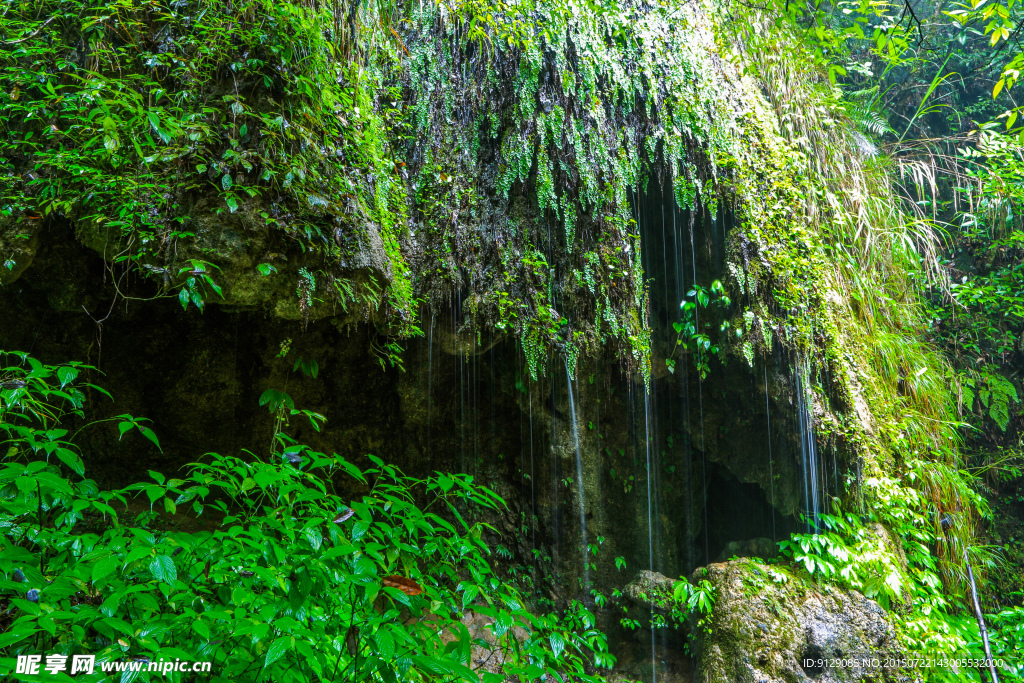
808,447
580,486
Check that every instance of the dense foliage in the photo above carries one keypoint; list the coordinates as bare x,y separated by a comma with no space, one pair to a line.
257,564
934,90
929,85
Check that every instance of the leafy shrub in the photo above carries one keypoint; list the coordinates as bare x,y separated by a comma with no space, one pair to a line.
845,552
679,604
930,620
106,128
1008,641
259,566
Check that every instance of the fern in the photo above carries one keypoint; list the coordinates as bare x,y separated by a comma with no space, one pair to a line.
867,114
997,396
995,393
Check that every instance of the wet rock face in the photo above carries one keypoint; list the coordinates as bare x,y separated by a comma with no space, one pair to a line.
232,244
656,654
650,588
771,626
755,547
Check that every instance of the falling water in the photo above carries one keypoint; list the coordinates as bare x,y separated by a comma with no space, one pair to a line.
460,382
533,487
579,481
808,445
430,379
650,437
679,252
700,400
771,468
650,526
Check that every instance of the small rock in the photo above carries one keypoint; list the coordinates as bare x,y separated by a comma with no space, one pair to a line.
650,588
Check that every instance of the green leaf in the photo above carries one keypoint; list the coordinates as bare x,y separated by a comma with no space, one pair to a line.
557,644
137,554
353,471
201,628
275,400
66,375
104,568
162,568
277,650
359,529
312,535
502,624
151,435
385,644
71,460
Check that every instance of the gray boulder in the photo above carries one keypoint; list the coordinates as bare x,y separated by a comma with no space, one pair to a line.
770,625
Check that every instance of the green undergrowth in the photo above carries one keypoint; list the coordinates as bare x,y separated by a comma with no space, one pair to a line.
849,276
981,327
293,566
899,569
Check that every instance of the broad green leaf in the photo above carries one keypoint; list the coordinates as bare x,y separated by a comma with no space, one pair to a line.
277,650
105,567
162,568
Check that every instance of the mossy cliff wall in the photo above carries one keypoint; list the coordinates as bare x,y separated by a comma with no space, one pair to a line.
331,162
371,171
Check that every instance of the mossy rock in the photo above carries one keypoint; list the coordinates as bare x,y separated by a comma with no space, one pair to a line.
770,625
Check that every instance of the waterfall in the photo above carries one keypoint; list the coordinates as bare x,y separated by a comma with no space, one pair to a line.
533,488
685,419
808,445
460,382
650,425
580,497
650,525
